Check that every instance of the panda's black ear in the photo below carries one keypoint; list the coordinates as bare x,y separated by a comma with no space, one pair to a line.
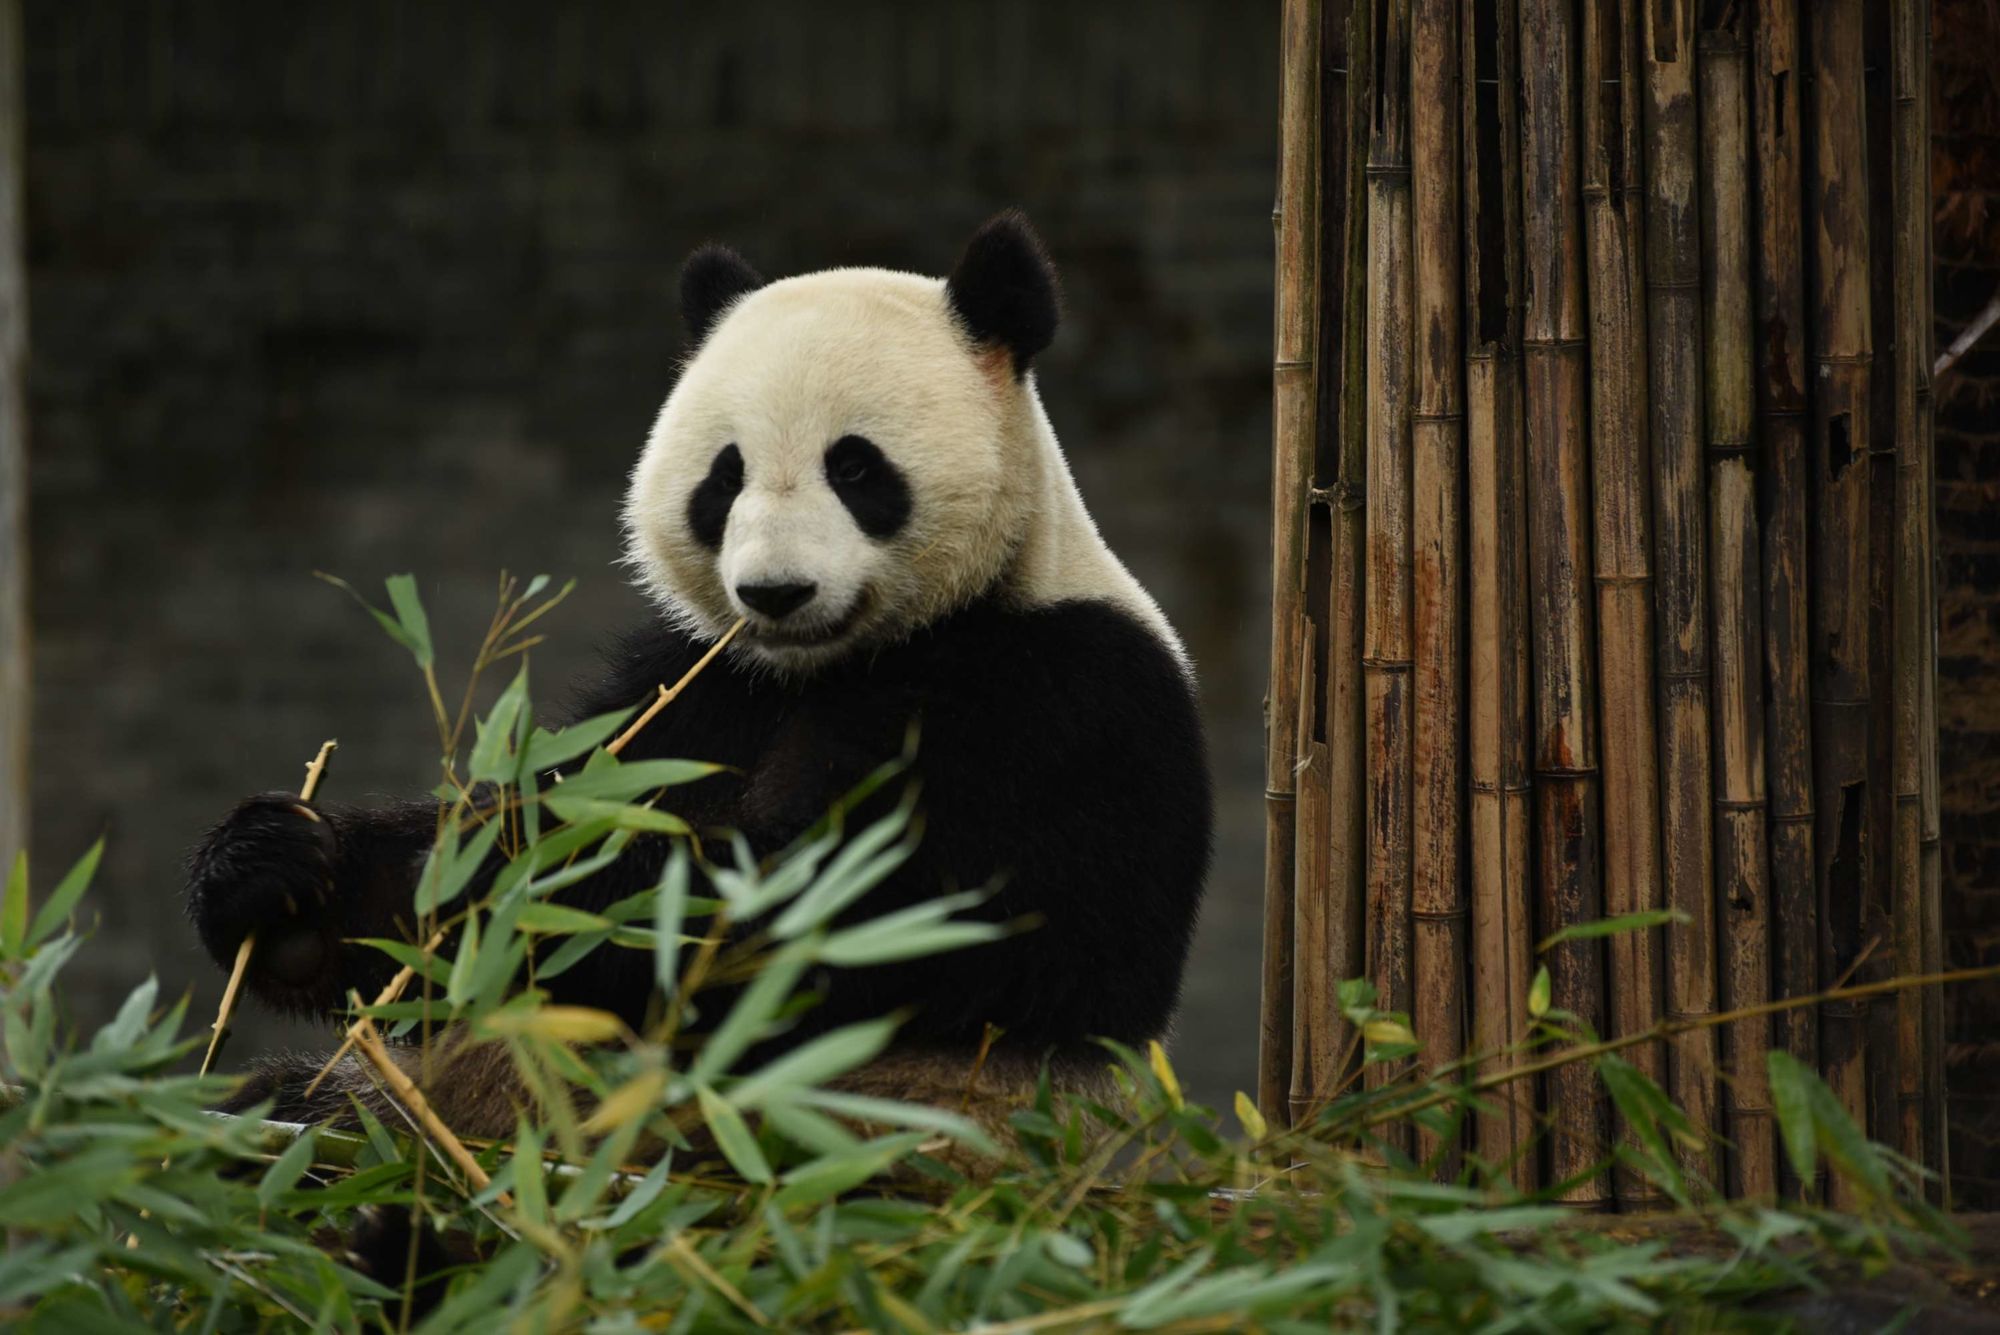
713,277
1004,288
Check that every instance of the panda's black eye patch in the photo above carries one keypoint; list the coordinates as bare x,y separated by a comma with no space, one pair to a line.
708,507
873,489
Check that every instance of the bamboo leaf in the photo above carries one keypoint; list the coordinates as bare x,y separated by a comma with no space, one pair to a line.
1538,993
285,1173
732,1136
410,615
541,916
1624,922
815,1063
1163,1071
546,750
64,897
1253,1121
14,909
492,759
558,1024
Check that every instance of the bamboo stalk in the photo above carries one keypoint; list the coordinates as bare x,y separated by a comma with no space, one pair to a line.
1936,1090
1497,728
1386,649
1437,895
1910,205
1673,307
1322,1037
1292,419
1566,773
1622,528
1736,601
1837,203
1883,1054
1781,430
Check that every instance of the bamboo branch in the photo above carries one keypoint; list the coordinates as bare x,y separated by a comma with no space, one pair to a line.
314,769
370,1044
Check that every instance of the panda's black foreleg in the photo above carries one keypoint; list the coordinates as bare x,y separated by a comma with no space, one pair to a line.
307,878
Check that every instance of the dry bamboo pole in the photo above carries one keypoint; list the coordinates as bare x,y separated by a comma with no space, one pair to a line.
1839,312
1673,305
1909,171
1497,706
1437,896
1882,1057
1292,422
1566,773
1386,624
1936,1091
1622,528
1298,347
1736,600
1322,1038
1781,431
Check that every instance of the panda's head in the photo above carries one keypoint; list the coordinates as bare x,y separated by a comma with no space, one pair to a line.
848,455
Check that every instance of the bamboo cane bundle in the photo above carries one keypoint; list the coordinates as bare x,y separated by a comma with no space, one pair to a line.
1438,907
1837,203
1735,599
1386,626
1910,209
1566,774
1293,405
1620,485
1781,432
1673,281
1496,539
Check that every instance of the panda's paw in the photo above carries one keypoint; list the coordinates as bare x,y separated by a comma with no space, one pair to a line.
268,869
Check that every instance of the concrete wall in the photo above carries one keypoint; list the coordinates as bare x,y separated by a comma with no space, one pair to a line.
377,287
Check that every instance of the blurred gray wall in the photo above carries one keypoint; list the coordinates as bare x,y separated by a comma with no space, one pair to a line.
379,287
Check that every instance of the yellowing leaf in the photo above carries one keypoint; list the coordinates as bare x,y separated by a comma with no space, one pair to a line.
1382,1032
561,1024
1156,1057
1253,1121
627,1103
1538,994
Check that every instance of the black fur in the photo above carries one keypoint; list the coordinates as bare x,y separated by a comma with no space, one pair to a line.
1004,288
1060,758
709,503
713,278
873,489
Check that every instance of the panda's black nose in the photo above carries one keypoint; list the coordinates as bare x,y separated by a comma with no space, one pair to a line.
776,600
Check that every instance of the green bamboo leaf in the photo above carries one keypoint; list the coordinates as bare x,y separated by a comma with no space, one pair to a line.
284,1174
646,820
732,1136
1791,1100
492,759
458,983
410,615
545,917
882,941
1624,922
451,865
623,782
1538,993
669,911
833,1175
547,749
814,1063
65,896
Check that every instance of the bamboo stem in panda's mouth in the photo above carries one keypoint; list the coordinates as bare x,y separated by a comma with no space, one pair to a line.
314,769
667,694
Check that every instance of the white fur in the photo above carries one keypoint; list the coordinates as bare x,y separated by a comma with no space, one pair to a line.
791,368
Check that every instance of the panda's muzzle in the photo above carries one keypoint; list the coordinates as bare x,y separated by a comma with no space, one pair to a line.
776,601
805,636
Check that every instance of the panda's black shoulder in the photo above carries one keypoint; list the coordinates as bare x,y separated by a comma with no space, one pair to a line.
1069,677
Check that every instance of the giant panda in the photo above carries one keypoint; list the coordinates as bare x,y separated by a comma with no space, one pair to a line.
857,462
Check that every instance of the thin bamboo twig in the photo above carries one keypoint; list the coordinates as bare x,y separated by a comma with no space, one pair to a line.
1736,600
1437,896
389,993
1838,221
1566,763
1989,315
1782,416
241,969
1498,720
1673,305
1386,632
1614,236
1292,392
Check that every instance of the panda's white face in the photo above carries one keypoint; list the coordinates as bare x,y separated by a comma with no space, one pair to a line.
839,464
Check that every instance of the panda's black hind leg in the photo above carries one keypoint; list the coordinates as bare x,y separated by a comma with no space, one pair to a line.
388,1245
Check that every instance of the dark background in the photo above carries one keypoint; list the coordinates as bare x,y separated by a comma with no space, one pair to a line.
376,287
379,287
